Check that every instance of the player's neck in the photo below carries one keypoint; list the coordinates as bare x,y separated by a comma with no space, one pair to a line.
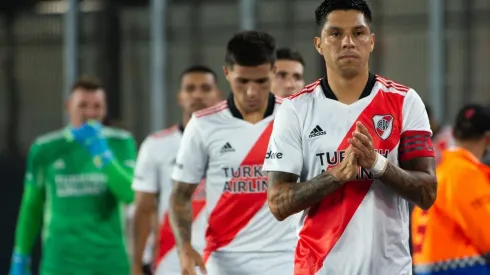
254,116
347,90
185,119
477,149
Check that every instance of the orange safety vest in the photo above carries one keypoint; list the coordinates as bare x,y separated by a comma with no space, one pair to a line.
453,236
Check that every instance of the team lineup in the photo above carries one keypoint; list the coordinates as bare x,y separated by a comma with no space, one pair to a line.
278,178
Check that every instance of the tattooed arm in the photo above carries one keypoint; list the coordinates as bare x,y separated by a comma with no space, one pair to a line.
415,180
286,196
181,212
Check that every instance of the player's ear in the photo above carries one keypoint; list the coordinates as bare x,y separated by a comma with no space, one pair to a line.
317,41
226,71
67,104
179,98
373,39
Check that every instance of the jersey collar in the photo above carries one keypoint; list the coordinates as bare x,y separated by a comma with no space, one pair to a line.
236,113
366,92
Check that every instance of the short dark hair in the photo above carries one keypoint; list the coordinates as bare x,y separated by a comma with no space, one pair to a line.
87,83
289,54
328,6
198,69
472,122
251,48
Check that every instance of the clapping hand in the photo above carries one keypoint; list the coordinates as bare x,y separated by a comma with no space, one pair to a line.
362,145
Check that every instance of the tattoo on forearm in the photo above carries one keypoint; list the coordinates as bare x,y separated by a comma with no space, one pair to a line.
181,212
287,197
414,180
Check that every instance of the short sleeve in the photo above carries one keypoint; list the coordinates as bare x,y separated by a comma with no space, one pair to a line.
146,170
192,156
285,152
34,174
415,139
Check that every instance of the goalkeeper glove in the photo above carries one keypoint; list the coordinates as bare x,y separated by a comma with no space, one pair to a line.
20,264
90,136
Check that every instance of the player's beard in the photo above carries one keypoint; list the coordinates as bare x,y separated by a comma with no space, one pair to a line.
288,91
197,106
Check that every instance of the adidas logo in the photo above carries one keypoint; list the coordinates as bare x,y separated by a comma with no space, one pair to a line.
317,131
227,148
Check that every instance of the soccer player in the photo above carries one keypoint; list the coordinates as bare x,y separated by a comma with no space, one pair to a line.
290,68
154,167
76,179
453,236
350,150
227,143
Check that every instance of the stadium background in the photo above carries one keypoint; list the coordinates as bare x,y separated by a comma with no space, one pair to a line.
447,67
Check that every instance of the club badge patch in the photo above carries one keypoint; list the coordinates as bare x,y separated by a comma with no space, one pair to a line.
383,125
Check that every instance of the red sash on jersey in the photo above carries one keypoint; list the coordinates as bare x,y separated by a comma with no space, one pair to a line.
327,221
234,211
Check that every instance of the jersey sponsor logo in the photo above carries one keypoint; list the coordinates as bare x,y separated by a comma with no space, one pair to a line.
334,158
317,131
245,179
272,155
227,148
383,125
76,185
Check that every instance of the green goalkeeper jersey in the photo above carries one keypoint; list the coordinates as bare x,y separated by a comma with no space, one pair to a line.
82,221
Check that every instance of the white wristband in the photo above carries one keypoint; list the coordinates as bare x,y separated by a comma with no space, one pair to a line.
380,166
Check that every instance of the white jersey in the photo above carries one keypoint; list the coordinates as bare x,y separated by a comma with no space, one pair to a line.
362,228
154,168
230,151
